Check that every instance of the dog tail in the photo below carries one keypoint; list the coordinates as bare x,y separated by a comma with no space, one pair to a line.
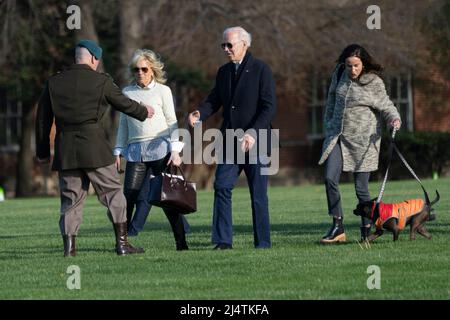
435,200
432,216
427,199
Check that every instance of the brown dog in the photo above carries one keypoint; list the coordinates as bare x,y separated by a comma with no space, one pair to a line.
395,216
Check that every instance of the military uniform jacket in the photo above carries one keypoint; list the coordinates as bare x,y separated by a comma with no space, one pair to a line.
76,99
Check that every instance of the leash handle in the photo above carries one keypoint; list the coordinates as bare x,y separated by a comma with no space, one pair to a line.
383,185
391,150
394,131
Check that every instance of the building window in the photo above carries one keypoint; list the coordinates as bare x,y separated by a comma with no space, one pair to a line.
400,92
10,123
318,100
398,88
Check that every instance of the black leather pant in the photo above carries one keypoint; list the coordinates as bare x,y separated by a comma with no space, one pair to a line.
136,190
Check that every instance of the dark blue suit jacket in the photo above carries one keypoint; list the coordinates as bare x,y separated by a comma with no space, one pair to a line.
248,102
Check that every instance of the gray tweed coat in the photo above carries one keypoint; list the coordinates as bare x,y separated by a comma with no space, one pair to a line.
353,116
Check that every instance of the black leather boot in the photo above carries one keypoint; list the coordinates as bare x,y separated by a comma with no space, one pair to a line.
122,245
336,232
69,245
176,223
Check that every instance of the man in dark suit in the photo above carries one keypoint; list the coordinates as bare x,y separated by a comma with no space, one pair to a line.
245,89
77,100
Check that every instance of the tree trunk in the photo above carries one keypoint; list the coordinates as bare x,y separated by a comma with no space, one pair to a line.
24,174
131,34
88,31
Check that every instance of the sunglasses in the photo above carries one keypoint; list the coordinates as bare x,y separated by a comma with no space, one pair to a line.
144,69
227,45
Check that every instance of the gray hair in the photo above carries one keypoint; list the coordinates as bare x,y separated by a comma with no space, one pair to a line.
82,54
243,34
154,62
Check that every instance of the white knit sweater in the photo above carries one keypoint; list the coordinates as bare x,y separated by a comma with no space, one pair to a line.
162,124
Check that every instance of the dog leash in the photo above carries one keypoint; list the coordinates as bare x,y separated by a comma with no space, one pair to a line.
390,152
411,171
393,147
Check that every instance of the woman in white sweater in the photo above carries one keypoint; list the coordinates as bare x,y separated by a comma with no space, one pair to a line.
148,146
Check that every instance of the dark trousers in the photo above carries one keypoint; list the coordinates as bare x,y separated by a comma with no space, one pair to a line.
226,177
136,190
333,170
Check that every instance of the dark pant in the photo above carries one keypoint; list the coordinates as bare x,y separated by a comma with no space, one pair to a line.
136,190
333,170
226,177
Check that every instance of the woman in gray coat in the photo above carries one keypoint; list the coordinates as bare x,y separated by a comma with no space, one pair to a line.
356,102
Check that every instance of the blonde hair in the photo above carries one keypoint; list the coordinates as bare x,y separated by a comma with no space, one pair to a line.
154,62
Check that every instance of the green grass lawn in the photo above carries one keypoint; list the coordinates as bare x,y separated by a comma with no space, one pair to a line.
296,267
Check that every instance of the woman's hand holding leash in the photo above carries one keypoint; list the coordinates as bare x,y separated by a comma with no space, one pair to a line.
396,124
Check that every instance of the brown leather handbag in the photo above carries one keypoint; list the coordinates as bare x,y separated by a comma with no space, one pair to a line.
171,191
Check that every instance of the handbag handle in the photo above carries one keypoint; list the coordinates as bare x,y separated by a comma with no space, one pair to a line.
172,170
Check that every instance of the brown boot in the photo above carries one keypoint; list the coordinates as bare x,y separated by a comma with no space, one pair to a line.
69,245
122,245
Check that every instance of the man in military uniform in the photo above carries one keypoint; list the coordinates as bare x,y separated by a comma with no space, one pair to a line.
77,99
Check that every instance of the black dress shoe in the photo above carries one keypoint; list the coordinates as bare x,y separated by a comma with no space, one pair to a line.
223,246
182,246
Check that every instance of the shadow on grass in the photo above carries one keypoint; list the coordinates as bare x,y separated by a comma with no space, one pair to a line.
36,251
284,229
303,232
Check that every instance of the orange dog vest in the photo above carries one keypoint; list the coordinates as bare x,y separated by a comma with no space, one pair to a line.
400,211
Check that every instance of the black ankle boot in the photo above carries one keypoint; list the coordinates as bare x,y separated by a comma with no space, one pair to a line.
180,240
176,223
336,232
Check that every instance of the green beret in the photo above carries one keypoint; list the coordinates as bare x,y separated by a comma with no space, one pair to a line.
93,48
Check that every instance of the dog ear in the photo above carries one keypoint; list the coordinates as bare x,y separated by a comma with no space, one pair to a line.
367,210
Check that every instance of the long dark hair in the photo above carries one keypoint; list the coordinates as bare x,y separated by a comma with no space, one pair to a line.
355,50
